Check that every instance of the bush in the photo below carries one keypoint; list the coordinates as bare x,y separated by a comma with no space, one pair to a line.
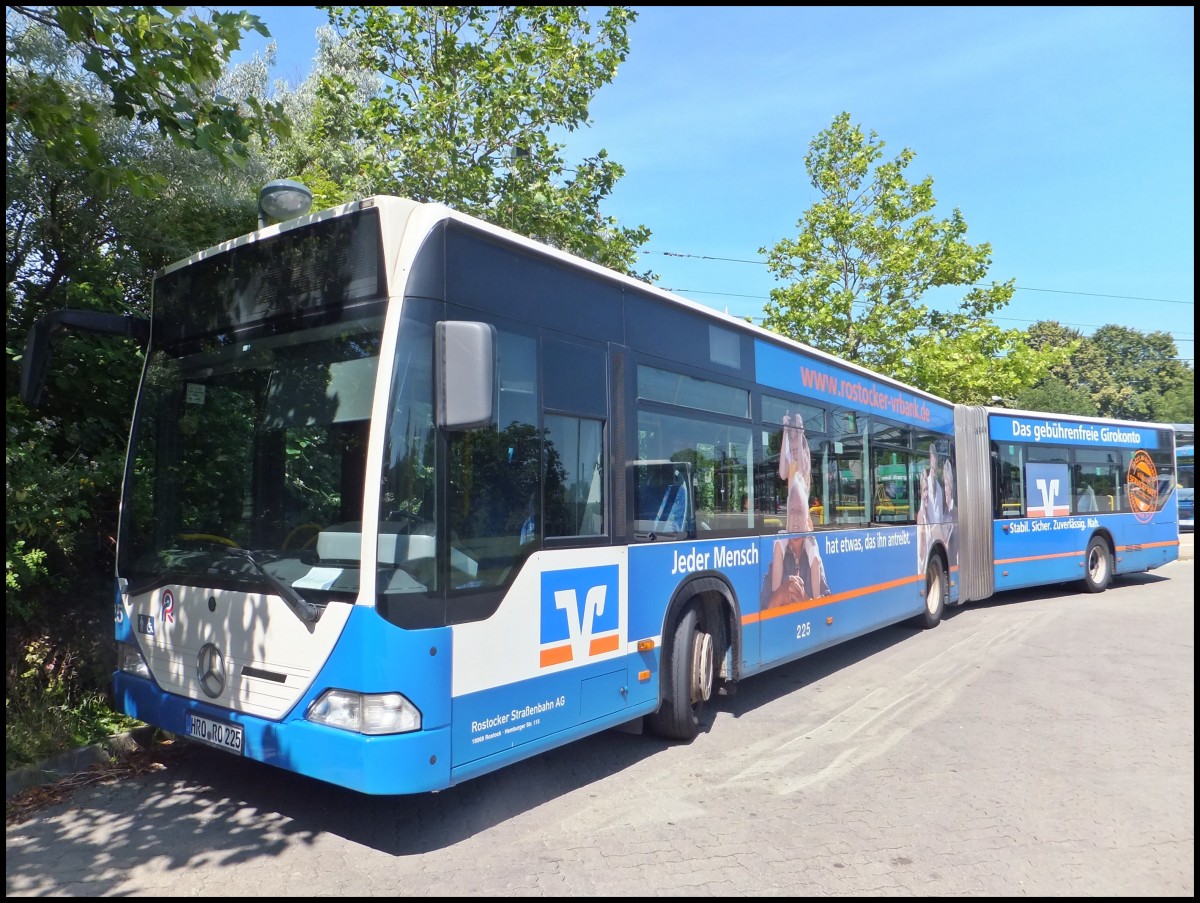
57,693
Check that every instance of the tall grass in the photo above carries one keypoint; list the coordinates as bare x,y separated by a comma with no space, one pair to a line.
55,697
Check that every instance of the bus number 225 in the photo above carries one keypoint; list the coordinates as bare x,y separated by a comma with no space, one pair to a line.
803,629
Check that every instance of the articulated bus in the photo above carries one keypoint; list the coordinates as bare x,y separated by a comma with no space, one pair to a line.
410,498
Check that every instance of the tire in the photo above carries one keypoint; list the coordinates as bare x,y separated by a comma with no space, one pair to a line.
687,674
1097,566
937,588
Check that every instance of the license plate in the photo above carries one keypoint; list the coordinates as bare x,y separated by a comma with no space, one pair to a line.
215,733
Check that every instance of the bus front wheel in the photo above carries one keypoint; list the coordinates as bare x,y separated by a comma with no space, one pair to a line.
687,674
1097,566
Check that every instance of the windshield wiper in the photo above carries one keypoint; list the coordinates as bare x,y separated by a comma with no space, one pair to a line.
304,610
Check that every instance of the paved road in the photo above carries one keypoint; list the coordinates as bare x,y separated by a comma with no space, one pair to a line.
1039,744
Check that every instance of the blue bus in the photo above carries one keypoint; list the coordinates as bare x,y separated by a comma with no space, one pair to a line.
409,498
1069,497
1185,474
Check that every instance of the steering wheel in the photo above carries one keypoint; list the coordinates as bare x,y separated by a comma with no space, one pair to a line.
209,537
315,528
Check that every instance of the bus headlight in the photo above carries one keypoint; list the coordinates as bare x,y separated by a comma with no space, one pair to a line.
365,713
130,660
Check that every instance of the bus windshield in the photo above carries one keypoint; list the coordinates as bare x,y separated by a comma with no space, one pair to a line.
249,445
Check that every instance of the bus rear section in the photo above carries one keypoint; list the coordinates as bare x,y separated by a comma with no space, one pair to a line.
1054,499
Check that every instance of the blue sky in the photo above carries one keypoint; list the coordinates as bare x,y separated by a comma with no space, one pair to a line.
1064,135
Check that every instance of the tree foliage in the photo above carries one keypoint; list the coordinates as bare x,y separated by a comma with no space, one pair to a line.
82,232
1057,397
469,102
867,253
1115,372
324,150
154,64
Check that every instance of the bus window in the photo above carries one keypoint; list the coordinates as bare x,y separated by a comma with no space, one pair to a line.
574,461
890,497
663,499
717,477
847,479
892,473
494,473
1185,481
1096,481
1010,483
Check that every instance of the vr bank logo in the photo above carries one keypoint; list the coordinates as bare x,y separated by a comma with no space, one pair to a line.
581,615
1045,496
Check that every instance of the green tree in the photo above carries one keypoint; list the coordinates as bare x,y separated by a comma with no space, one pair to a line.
1055,396
867,253
324,150
1115,372
71,245
469,100
154,64
1061,390
1179,404
84,229
1137,372
82,232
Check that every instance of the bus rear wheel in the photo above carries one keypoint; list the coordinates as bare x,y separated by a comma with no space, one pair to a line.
936,589
1097,566
687,673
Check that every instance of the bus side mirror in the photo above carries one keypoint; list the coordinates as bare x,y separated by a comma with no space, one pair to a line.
35,360
466,374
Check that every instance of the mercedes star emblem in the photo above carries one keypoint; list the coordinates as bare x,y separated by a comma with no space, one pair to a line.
210,670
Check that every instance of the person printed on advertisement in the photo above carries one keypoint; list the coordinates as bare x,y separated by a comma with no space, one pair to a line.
796,572
932,506
950,513
795,469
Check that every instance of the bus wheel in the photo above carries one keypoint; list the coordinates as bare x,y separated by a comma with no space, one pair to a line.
687,676
936,588
1098,566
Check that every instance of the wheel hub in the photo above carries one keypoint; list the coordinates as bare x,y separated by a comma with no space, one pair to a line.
702,668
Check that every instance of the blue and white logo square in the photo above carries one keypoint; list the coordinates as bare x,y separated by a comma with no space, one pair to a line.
580,615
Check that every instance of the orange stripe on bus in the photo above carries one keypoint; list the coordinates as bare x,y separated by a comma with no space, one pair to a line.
1037,557
827,600
1132,548
604,644
1148,545
559,655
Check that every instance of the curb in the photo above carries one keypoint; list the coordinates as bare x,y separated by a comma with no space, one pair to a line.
75,761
